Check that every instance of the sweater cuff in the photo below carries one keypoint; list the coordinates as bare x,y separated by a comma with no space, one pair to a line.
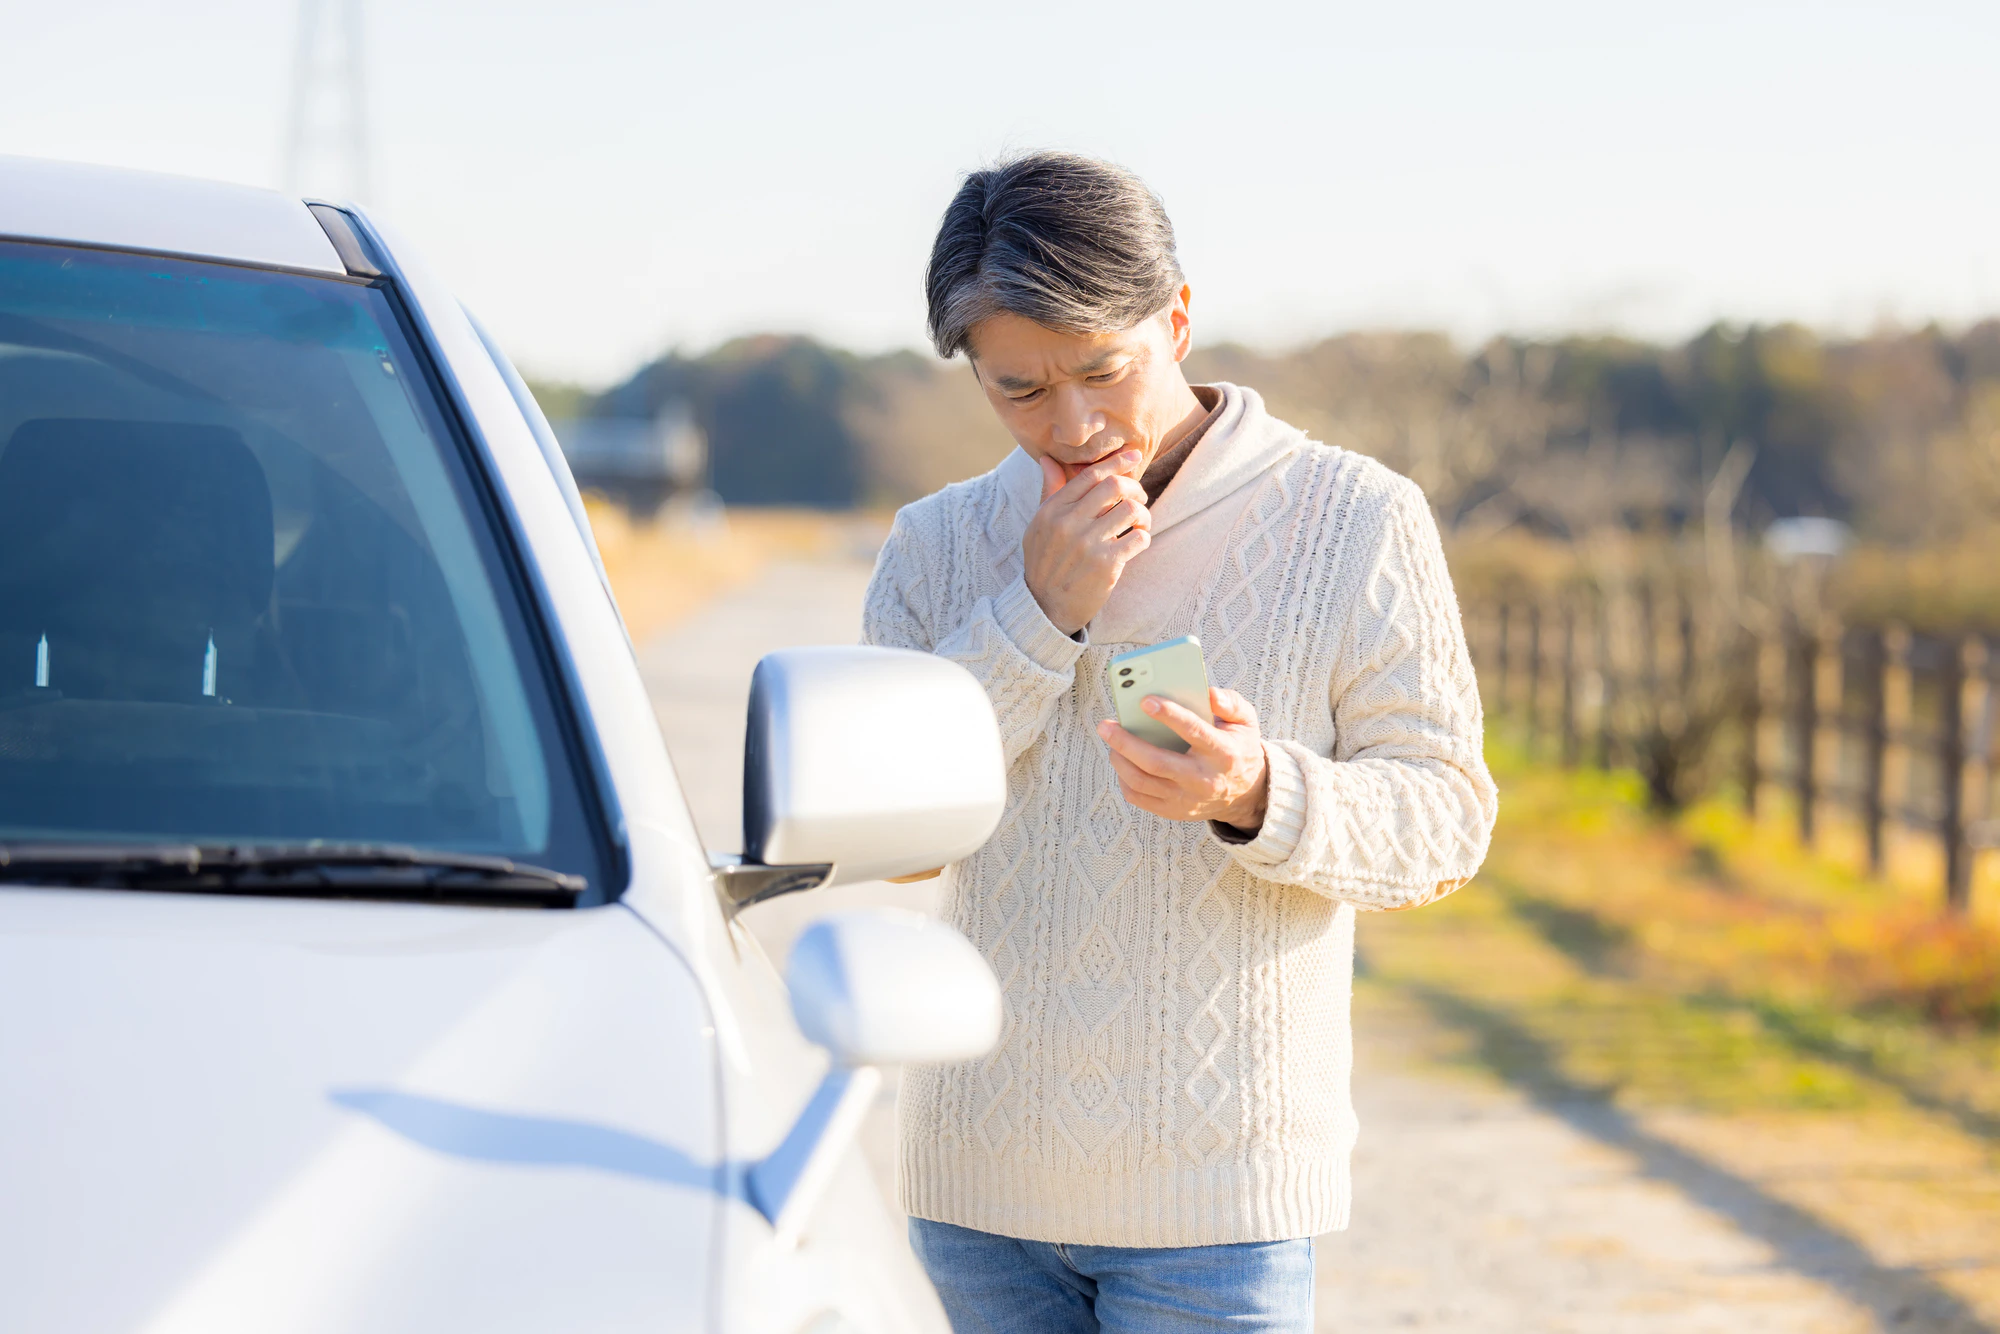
1022,620
1284,814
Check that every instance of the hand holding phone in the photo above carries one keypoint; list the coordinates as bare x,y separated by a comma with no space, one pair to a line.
1217,771
1173,670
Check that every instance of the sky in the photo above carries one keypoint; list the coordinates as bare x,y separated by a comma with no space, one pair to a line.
603,181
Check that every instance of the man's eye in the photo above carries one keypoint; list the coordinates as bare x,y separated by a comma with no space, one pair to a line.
1028,397
1106,377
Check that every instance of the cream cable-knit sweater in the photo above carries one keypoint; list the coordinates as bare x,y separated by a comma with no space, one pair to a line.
1174,1066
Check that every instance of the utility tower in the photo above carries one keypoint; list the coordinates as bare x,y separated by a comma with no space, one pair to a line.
326,141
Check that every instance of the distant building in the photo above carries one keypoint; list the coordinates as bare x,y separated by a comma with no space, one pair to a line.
636,461
1794,539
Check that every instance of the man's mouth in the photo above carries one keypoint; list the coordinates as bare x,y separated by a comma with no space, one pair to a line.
1070,470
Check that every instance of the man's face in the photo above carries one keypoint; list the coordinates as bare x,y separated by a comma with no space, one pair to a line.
1077,398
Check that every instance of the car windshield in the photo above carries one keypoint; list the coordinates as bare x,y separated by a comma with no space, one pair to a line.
249,592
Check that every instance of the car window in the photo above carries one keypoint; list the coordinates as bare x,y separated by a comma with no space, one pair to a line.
248,591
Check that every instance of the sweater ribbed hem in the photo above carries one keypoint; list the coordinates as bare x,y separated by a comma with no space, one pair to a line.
1284,812
1274,1200
1022,620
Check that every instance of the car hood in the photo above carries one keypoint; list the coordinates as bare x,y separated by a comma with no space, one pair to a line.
224,1114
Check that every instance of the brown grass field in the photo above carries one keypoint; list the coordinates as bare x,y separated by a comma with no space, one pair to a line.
1834,1040
666,568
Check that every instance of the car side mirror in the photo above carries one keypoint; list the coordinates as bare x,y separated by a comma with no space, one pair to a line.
874,987
862,764
884,986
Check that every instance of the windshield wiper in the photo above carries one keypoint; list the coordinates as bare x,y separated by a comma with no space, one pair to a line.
292,870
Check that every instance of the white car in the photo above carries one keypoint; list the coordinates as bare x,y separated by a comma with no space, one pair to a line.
360,966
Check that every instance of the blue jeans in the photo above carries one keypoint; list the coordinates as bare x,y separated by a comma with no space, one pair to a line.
1001,1285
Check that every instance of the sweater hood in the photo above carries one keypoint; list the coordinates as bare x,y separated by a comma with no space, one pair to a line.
1243,443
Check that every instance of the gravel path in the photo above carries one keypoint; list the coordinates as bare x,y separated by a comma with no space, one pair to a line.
1478,1210
1477,1207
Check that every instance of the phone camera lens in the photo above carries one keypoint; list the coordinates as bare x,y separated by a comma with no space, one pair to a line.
1126,684
1124,671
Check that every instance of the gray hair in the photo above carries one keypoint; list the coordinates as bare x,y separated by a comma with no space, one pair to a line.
1074,244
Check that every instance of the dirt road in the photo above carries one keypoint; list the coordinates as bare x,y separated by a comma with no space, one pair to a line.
1477,1207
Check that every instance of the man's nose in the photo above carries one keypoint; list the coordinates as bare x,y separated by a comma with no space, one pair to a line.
1074,420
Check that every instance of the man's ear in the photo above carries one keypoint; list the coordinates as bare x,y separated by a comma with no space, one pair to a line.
1179,325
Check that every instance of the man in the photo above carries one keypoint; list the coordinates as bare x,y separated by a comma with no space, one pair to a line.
1165,1123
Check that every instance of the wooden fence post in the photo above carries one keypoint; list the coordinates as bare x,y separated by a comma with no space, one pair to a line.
1569,737
1500,656
1952,682
1607,679
1479,643
1981,705
1690,639
1649,642
1829,713
1801,681
1897,694
1874,744
1966,741
1533,712
1750,770
1978,711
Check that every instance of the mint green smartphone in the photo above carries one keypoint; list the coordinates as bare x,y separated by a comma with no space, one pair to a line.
1173,670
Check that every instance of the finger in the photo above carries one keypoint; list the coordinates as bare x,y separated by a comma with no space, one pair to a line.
1197,732
1119,520
1152,759
1107,493
1135,779
1167,808
1230,707
1129,544
1130,460
1121,550
1052,477
1084,482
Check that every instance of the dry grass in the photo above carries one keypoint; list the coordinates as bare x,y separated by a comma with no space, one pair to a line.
665,568
1712,904
1702,962
1942,589
1781,1017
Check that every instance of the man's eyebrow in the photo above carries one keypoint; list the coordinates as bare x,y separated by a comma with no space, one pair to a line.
1014,384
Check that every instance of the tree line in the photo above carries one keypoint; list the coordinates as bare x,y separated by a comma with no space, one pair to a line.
1896,433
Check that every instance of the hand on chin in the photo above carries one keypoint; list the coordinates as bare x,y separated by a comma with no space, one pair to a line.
1070,470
